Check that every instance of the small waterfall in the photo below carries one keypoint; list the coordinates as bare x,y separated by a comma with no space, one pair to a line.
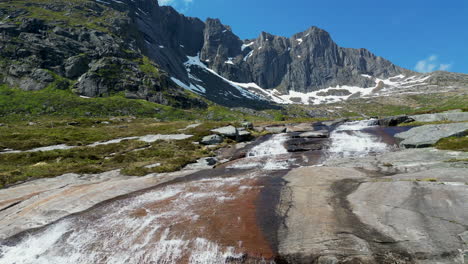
271,147
269,155
349,140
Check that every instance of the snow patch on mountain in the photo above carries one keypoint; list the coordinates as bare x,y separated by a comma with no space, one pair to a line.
195,61
244,46
399,83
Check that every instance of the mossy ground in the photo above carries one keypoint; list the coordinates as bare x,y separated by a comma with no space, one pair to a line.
80,17
453,143
130,155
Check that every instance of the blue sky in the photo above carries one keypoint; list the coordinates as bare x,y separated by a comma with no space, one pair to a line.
422,35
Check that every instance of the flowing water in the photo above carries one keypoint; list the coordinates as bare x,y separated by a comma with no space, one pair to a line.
214,216
352,140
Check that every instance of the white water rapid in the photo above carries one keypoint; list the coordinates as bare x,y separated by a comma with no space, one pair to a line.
269,155
349,140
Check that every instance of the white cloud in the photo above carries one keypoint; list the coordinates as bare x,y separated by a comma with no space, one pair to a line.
431,64
445,67
180,5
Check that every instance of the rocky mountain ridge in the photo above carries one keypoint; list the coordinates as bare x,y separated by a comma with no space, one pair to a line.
147,51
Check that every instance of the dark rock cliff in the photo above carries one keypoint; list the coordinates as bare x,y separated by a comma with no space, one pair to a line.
88,47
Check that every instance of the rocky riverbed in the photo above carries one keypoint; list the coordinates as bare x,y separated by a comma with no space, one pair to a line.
331,192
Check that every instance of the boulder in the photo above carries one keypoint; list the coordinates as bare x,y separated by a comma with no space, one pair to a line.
76,66
393,120
227,131
276,129
428,135
448,116
212,140
244,136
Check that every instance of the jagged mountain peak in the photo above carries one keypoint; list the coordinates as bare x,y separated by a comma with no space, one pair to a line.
205,57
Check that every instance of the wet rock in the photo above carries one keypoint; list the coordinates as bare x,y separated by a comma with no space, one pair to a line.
315,134
393,120
276,129
34,204
315,226
428,135
211,161
228,131
244,136
448,116
212,140
304,144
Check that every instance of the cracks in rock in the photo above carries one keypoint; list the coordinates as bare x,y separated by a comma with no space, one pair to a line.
11,205
421,213
384,249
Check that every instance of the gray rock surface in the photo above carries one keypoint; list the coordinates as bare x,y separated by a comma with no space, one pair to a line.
426,218
276,129
315,225
354,217
451,116
405,161
307,61
227,131
212,140
428,135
